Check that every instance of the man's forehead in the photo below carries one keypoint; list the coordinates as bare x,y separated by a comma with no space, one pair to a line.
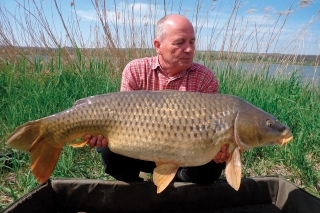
181,34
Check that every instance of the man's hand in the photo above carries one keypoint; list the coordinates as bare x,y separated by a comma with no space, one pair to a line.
223,155
93,141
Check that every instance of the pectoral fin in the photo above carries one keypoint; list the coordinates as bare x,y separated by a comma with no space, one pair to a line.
233,169
78,144
163,174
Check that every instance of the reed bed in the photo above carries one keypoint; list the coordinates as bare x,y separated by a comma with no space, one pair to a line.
43,72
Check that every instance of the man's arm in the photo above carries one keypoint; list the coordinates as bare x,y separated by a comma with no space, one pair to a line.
207,81
128,80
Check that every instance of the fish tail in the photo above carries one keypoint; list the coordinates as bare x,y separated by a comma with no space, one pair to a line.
43,159
43,156
25,136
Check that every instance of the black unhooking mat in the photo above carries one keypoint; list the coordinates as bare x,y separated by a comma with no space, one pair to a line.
260,194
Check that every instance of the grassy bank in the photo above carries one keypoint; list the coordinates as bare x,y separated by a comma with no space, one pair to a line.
28,93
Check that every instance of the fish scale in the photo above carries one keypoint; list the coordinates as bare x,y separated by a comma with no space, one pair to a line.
171,128
160,135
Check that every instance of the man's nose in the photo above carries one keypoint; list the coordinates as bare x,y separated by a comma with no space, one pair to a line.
189,48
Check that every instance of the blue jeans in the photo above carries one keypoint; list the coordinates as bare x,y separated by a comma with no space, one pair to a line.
127,169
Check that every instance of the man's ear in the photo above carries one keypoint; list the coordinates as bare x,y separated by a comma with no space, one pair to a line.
157,45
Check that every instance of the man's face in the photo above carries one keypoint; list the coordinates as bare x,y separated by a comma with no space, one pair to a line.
177,49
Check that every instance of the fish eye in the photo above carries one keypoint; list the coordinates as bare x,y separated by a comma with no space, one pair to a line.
269,123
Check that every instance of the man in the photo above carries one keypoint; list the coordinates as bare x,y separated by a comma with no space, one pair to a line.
172,68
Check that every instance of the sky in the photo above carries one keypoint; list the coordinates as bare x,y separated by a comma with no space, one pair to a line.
280,26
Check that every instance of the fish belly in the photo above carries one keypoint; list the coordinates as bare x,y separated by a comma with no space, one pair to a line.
165,126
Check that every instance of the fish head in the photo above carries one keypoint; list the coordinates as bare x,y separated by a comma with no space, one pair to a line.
255,127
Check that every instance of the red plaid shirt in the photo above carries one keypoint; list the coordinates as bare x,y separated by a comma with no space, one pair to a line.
146,74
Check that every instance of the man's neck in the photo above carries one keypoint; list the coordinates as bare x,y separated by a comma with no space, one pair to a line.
169,70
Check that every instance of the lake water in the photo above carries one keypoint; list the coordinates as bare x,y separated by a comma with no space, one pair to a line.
309,74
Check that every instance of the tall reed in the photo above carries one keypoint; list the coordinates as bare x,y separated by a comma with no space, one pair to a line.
125,32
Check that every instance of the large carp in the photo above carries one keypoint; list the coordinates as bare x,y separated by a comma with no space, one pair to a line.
171,128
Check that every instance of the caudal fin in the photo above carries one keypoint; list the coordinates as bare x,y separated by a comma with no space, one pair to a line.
25,136
44,157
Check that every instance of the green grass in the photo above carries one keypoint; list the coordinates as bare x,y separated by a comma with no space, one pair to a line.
293,103
28,93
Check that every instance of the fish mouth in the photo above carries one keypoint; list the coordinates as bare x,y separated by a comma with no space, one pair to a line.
285,138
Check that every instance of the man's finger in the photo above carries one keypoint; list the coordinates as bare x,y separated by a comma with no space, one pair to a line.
104,142
87,137
100,138
98,144
92,142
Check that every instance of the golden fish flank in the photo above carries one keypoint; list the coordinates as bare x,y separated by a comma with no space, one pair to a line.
171,128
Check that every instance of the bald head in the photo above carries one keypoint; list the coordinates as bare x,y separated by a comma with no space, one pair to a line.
174,43
171,22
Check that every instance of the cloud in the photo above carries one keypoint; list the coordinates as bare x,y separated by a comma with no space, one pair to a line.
214,22
89,15
124,14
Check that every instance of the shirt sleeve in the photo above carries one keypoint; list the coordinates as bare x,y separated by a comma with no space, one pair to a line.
209,82
128,82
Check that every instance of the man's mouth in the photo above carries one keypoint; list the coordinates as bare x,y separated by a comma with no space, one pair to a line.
186,59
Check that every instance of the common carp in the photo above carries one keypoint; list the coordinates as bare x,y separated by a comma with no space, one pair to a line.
171,128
